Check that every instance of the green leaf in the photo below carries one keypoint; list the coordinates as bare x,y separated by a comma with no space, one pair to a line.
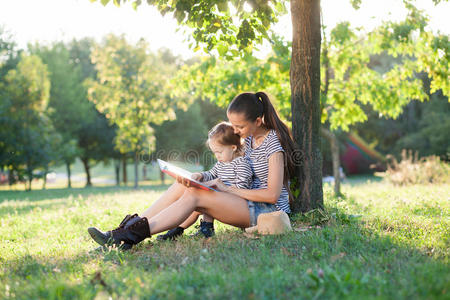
356,3
179,15
222,49
134,5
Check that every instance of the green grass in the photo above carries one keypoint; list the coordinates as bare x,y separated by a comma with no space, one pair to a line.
377,242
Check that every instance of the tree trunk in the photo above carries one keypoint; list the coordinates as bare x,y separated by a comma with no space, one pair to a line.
136,170
117,171
144,172
10,177
305,102
30,177
162,176
44,185
335,159
30,180
87,170
124,169
69,182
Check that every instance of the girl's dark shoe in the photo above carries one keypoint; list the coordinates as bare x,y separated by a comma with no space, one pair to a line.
172,234
129,233
205,229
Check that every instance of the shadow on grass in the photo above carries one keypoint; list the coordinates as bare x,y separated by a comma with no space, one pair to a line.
56,198
334,261
48,194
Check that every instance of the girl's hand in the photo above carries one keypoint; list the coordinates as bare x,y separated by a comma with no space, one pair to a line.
218,185
183,181
197,176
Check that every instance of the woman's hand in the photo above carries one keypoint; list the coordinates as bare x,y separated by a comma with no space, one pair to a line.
218,185
197,176
184,181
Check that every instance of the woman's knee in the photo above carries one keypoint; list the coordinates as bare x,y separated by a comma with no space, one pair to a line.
191,194
177,186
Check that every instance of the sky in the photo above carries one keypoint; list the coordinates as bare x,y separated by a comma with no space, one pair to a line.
46,21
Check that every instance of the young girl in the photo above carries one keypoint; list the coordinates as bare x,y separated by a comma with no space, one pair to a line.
269,147
232,168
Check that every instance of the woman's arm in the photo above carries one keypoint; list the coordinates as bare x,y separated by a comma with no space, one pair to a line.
274,183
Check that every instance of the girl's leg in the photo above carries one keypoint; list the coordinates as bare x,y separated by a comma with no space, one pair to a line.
173,193
225,207
175,232
206,228
190,220
208,218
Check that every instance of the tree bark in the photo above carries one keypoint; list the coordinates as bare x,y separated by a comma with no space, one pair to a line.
117,170
30,176
162,176
144,172
69,182
335,159
87,170
136,170
10,177
44,178
305,102
124,169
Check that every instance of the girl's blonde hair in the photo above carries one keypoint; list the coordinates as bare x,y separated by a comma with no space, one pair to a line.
223,133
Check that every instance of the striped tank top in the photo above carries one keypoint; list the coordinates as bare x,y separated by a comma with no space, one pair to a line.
259,159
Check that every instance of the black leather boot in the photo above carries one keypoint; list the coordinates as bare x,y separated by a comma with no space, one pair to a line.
131,231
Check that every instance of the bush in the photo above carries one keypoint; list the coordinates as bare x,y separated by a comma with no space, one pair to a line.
411,170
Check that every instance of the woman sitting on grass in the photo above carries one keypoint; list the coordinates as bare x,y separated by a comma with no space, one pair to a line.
268,146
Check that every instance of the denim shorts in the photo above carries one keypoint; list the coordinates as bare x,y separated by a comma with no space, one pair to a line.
257,208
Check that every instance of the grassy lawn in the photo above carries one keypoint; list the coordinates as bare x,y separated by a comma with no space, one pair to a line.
378,241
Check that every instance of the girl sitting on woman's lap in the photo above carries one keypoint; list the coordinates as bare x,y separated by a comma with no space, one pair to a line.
232,168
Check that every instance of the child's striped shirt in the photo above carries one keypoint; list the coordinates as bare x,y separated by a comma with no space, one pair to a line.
237,172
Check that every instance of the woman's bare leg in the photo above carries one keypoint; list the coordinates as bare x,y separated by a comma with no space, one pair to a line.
225,207
190,220
173,193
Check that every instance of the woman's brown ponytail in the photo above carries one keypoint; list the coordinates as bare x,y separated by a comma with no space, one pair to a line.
254,105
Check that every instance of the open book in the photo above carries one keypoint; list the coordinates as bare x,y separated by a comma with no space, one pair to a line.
175,171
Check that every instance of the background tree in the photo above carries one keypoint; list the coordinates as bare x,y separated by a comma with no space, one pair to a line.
94,136
422,127
27,88
130,90
68,108
8,60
